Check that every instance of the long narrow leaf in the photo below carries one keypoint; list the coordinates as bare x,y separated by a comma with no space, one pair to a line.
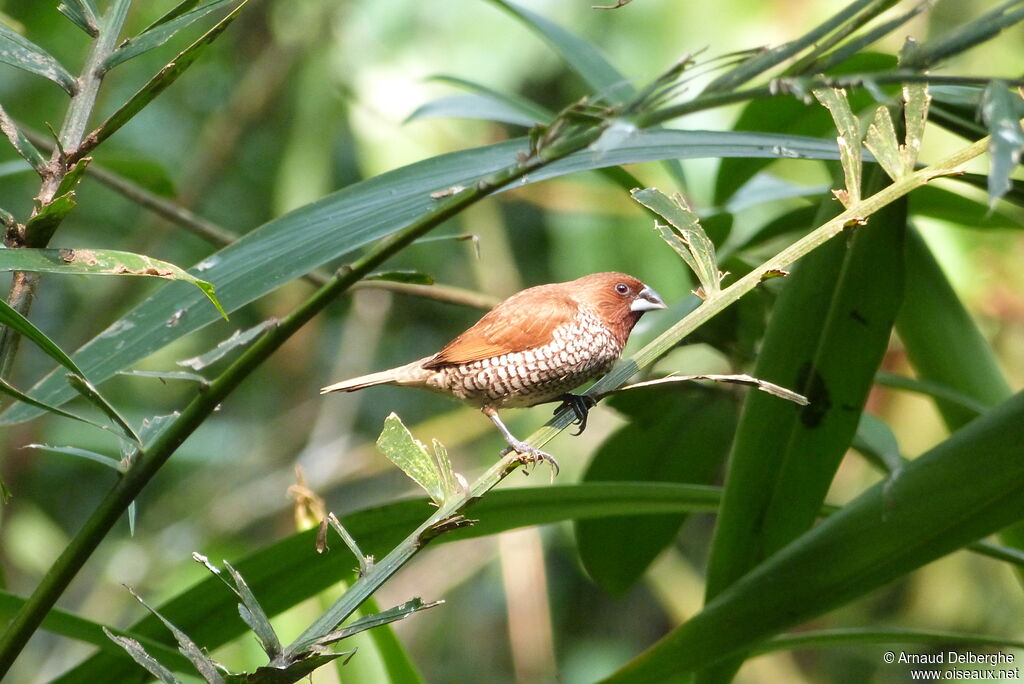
999,110
12,391
82,13
937,503
308,237
21,144
159,34
19,51
99,262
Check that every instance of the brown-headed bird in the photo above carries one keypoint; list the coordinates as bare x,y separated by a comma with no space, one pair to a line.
530,349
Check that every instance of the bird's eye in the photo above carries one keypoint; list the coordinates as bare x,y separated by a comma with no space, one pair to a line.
622,288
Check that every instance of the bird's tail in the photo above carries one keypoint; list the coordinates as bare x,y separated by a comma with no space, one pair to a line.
411,374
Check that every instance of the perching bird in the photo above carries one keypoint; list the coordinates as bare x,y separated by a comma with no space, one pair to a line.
530,349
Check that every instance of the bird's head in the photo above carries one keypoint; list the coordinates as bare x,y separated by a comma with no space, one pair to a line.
619,299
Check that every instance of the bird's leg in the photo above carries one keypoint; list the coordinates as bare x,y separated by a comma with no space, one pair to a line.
527,453
580,405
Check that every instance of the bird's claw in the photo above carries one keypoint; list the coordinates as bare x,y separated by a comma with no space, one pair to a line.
580,405
529,455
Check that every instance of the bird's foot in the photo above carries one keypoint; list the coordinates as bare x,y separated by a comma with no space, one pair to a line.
529,455
580,405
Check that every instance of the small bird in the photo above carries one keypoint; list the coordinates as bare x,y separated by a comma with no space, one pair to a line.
530,349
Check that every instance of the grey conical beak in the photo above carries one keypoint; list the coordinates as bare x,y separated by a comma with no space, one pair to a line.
646,300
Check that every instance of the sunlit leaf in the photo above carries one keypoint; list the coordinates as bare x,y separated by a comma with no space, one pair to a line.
139,655
849,141
409,454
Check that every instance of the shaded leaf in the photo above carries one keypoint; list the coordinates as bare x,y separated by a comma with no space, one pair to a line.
139,655
472,107
82,13
160,82
103,459
186,646
99,262
416,277
672,436
829,638
22,145
528,109
369,622
283,675
881,140
86,389
239,338
877,442
168,375
160,33
254,616
849,141
10,390
938,503
20,52
999,111
47,217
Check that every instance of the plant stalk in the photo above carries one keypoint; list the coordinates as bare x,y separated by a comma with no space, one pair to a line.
24,283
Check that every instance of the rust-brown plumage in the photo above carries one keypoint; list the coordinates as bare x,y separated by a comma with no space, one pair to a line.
533,347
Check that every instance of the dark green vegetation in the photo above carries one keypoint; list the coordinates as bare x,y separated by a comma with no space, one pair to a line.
261,147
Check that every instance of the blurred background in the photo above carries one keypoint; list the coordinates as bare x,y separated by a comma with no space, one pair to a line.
303,97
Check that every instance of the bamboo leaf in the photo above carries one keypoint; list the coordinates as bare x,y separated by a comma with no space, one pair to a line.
999,112
472,107
102,459
688,239
370,621
139,655
685,437
47,217
828,638
937,503
306,238
291,571
160,82
410,455
881,140
528,109
82,13
21,144
239,338
826,338
86,389
916,101
10,390
99,262
186,646
20,52
160,33
849,141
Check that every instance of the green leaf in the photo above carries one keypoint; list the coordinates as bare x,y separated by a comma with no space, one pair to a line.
103,459
953,207
876,442
415,277
527,109
47,217
187,647
13,319
253,615
99,262
296,243
881,140
75,627
826,338
688,239
999,112
849,141
22,53
672,436
934,390
943,342
369,622
829,638
937,503
21,144
10,390
82,13
159,34
410,455
160,82
167,375
239,338
291,571
139,655
86,389
603,78
472,107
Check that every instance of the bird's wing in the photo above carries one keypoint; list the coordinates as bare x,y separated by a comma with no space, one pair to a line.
524,321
